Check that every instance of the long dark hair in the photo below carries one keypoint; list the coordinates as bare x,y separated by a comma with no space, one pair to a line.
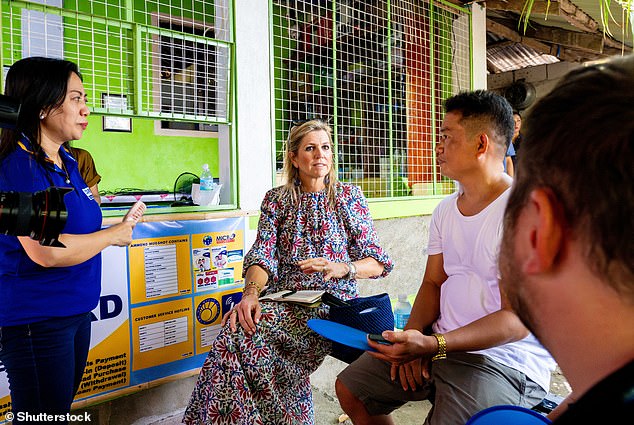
40,85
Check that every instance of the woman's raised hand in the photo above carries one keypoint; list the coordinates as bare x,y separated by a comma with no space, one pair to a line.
321,265
135,212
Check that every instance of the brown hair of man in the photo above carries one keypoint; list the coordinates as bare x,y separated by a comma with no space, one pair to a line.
578,142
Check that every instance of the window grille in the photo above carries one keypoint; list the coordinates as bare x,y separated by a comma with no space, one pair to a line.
377,71
169,58
188,77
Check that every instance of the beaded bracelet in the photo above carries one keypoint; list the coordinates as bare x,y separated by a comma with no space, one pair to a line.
249,286
442,348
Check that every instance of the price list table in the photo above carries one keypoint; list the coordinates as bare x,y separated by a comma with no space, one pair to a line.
162,334
161,276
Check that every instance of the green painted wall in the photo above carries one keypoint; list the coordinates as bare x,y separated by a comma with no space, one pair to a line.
140,159
198,10
143,160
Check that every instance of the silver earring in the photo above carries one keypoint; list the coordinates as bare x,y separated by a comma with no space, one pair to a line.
297,182
41,116
327,180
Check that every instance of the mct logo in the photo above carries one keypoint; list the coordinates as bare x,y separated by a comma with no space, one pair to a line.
225,238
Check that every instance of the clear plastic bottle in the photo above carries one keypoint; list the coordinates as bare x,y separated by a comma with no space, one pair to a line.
206,186
402,311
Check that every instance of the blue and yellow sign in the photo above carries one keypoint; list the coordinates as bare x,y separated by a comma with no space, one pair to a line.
161,304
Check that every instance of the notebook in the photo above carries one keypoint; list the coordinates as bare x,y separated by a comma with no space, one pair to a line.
310,298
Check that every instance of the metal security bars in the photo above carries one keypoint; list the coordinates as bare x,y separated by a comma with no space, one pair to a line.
166,59
377,71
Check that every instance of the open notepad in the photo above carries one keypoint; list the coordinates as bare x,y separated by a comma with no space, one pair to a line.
306,297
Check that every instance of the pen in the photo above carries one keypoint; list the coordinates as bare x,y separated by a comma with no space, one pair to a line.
288,294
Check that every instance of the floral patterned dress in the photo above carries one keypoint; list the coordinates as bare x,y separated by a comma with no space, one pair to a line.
264,378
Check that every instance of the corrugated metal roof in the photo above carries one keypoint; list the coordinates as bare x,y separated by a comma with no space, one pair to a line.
512,56
507,56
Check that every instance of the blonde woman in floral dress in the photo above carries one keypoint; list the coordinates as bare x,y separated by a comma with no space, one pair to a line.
314,233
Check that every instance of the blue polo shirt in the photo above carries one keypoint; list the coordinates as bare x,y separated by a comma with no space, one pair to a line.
29,292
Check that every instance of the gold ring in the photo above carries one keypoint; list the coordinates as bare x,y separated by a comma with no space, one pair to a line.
234,311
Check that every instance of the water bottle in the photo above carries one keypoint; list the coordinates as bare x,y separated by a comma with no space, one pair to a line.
402,311
206,186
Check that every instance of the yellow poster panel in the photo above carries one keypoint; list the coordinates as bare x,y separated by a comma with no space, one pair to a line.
162,333
5,407
159,268
107,368
217,259
209,309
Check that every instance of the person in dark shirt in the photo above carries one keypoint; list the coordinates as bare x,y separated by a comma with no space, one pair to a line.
516,142
87,169
567,257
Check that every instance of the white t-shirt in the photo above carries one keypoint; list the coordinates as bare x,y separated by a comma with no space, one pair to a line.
470,247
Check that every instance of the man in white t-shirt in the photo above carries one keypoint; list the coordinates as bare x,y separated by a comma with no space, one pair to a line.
478,353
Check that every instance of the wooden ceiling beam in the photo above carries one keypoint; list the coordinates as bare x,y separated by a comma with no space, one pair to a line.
562,8
615,44
500,44
585,55
578,40
577,17
590,38
517,6
510,34
595,42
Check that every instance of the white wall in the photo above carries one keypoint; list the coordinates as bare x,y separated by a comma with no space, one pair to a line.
255,165
479,28
543,77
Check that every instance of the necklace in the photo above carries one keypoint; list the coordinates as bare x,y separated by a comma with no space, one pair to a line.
65,172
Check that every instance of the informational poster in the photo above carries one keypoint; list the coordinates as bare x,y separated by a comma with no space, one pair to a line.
108,365
159,268
162,300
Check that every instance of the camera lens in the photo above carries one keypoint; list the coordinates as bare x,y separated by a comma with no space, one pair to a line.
9,111
40,215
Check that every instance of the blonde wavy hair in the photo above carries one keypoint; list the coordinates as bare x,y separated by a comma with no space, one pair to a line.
295,136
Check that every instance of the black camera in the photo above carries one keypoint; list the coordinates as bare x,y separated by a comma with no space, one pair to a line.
40,215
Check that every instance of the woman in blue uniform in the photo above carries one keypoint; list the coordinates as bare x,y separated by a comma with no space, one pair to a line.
47,293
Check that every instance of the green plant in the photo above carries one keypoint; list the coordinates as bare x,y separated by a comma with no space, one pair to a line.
627,14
